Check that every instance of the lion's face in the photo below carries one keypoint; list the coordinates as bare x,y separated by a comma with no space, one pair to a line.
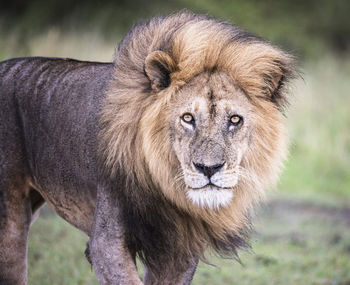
210,129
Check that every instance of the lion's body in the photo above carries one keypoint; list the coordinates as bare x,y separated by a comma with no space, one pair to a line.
47,143
52,132
103,144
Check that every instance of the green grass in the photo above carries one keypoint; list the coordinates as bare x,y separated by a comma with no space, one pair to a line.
290,248
294,243
319,123
56,254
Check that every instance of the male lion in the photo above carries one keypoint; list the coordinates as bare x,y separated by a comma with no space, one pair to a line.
161,154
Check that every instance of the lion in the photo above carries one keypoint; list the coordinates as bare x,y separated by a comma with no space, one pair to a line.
162,154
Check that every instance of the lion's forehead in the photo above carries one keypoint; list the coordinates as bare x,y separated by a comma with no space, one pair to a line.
212,91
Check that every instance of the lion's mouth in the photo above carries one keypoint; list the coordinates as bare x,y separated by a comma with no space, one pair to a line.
218,182
210,186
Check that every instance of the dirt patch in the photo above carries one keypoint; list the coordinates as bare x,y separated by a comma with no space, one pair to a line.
301,223
280,206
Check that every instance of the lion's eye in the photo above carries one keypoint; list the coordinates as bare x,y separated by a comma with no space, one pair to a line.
187,118
235,120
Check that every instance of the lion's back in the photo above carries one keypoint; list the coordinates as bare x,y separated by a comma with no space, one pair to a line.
52,102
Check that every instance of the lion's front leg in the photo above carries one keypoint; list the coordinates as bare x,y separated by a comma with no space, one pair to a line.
171,274
111,260
15,218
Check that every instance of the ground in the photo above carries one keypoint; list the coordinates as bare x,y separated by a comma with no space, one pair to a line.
295,242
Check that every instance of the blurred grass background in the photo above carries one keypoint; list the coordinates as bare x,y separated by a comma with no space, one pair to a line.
302,233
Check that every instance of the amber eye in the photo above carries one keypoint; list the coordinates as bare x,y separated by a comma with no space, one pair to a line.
187,118
235,120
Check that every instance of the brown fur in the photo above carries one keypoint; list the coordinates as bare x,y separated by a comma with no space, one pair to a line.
135,138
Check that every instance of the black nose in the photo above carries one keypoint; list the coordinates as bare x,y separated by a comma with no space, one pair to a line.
208,171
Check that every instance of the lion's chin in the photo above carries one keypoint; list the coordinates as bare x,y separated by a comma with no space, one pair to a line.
210,196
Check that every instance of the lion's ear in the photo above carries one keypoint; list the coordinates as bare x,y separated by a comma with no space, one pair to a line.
158,67
262,71
277,81
276,69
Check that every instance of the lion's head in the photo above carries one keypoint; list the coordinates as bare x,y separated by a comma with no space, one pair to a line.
193,115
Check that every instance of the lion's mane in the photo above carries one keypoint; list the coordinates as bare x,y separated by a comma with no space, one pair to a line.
136,153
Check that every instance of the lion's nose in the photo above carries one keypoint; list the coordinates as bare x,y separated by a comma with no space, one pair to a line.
208,170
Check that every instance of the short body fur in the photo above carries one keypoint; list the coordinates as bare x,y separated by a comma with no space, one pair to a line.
98,142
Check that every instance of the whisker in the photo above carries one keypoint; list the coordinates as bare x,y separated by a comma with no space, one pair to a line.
178,178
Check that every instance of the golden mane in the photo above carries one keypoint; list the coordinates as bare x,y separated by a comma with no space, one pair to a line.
134,140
